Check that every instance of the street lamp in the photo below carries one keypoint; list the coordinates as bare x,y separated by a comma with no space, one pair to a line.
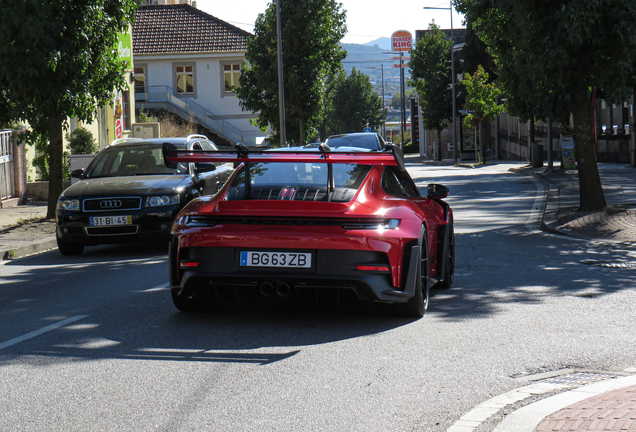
383,116
453,79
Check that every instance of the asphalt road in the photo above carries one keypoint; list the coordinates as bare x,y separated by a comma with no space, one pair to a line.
93,343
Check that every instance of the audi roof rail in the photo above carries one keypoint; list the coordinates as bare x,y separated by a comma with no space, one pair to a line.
196,136
123,140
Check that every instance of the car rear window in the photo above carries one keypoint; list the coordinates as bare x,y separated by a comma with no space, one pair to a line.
130,161
367,141
298,182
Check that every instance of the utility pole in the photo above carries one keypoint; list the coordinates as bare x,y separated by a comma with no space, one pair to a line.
403,102
281,90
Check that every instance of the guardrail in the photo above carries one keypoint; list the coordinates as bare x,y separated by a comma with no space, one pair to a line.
199,113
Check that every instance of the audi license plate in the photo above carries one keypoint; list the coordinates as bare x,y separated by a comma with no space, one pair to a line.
110,220
276,259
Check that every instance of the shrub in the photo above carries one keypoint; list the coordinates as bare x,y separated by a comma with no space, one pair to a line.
81,141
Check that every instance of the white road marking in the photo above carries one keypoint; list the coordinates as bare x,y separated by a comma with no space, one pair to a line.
158,287
40,331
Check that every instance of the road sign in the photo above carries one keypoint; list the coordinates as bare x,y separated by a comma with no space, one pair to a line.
397,65
367,129
401,41
401,58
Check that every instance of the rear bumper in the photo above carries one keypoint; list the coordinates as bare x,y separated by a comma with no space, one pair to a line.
219,271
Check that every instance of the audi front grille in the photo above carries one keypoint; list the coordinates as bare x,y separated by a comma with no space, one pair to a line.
112,204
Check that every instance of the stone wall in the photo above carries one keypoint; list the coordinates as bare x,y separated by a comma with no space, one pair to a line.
40,189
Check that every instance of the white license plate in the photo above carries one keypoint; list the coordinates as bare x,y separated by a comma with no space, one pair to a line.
110,220
276,259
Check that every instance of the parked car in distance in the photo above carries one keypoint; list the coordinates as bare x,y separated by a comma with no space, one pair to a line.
128,194
367,140
295,225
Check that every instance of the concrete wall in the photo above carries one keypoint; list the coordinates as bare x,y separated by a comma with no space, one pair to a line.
40,189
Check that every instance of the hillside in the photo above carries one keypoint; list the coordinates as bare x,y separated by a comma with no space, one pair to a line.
363,57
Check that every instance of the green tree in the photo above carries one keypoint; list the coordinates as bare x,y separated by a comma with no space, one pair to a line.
332,83
431,75
481,101
59,60
396,100
555,55
311,34
353,104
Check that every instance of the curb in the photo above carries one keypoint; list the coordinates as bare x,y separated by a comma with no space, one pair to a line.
528,417
32,248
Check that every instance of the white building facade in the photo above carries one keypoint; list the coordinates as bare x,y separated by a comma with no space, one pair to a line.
186,62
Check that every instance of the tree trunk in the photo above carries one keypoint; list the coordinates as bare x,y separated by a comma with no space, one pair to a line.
439,145
302,132
56,165
532,134
482,143
590,188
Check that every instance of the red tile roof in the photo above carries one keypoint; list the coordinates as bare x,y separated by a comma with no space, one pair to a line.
176,29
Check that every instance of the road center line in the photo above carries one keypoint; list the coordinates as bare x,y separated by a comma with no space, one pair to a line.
533,224
40,331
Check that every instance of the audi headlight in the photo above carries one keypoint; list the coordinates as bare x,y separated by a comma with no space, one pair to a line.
163,200
66,204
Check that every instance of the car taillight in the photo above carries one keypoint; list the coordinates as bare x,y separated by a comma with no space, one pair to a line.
199,221
373,268
188,264
373,224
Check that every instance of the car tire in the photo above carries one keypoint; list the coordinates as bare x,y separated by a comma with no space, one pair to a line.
67,248
417,305
183,300
449,268
185,303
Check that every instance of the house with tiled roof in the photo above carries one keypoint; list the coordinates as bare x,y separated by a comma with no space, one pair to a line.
187,62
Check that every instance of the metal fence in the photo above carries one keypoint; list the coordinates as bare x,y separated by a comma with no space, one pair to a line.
197,112
7,173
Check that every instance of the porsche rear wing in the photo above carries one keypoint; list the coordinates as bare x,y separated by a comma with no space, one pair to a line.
392,156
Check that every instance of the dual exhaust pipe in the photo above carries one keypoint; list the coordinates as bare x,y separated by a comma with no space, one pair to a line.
280,289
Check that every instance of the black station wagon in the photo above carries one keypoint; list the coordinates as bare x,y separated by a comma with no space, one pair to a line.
128,194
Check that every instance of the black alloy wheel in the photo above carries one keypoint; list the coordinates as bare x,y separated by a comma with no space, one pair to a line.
449,268
418,304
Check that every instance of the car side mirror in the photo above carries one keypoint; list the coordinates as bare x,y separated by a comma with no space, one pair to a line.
437,191
77,173
202,167
166,149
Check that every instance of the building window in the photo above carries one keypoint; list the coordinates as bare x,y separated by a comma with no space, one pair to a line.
184,79
140,82
231,75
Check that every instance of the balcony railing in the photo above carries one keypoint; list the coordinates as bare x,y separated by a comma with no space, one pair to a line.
199,113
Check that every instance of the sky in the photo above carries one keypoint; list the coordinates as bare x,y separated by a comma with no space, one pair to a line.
365,22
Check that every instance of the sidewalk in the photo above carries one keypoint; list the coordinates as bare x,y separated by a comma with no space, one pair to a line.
609,404
24,231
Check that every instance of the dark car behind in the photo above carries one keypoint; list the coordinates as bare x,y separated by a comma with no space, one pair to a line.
365,140
128,194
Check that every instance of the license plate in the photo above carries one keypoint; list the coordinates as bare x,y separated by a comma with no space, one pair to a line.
276,259
110,220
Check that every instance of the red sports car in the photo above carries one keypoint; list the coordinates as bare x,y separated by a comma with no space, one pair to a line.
293,225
